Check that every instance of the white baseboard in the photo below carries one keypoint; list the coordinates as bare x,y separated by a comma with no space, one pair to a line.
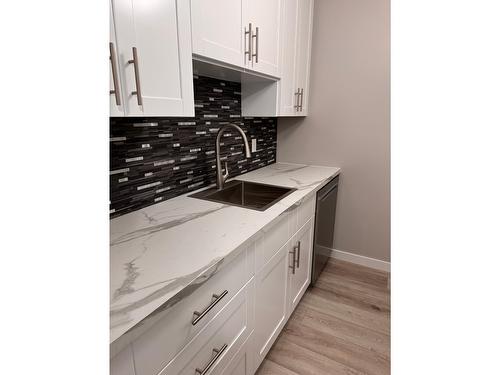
361,260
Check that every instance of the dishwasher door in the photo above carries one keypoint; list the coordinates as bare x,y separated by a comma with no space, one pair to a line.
326,202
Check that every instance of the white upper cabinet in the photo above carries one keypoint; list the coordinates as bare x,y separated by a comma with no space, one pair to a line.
154,57
264,16
288,89
242,33
296,32
218,32
303,54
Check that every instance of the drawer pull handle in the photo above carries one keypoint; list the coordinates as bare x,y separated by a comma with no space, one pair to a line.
298,254
297,96
293,259
116,90
249,32
215,300
301,99
256,36
135,62
218,353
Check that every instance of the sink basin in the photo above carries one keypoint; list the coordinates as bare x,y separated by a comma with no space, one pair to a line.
246,194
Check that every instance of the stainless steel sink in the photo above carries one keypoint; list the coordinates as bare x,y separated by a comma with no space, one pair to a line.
246,194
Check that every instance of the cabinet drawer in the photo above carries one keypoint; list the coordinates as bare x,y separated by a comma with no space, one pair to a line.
272,240
242,362
122,363
301,214
176,327
226,333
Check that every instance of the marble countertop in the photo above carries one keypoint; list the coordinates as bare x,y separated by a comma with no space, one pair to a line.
158,251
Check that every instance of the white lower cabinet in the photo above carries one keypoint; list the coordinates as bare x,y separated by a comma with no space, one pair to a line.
176,328
242,362
271,298
262,286
222,343
301,257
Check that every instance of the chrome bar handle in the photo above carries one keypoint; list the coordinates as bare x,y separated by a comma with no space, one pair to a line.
293,259
256,36
215,300
218,353
301,98
249,32
116,85
135,61
296,106
298,254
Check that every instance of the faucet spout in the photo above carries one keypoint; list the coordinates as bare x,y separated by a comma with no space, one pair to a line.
221,178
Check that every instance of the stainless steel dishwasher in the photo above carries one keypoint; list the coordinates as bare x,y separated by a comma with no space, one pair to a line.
326,202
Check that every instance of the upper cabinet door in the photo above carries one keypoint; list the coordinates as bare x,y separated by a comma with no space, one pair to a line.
288,90
218,32
303,54
265,17
116,107
154,48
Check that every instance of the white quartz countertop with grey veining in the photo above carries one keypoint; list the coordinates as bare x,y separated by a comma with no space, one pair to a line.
156,252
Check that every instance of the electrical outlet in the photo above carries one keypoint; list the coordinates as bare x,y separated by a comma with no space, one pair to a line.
254,144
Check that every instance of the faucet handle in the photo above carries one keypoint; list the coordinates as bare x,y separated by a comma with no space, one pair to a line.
226,171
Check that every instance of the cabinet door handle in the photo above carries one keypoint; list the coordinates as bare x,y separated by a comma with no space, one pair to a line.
301,98
114,72
249,32
298,254
293,259
218,353
215,300
256,36
297,94
138,91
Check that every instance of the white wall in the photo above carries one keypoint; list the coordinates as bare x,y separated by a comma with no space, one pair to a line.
349,119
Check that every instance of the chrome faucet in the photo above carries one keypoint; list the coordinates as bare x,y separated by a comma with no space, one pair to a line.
221,178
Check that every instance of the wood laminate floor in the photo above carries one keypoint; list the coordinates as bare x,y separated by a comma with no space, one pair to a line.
341,326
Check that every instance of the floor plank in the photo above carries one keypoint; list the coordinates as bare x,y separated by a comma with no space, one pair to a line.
341,326
269,367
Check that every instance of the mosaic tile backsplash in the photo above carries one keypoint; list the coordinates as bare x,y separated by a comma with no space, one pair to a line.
157,158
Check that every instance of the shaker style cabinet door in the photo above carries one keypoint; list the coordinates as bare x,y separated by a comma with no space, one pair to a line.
288,90
265,17
154,53
218,32
270,302
303,54
300,258
295,55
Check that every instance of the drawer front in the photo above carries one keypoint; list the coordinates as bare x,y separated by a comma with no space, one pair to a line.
122,363
242,362
272,240
301,214
216,346
175,329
